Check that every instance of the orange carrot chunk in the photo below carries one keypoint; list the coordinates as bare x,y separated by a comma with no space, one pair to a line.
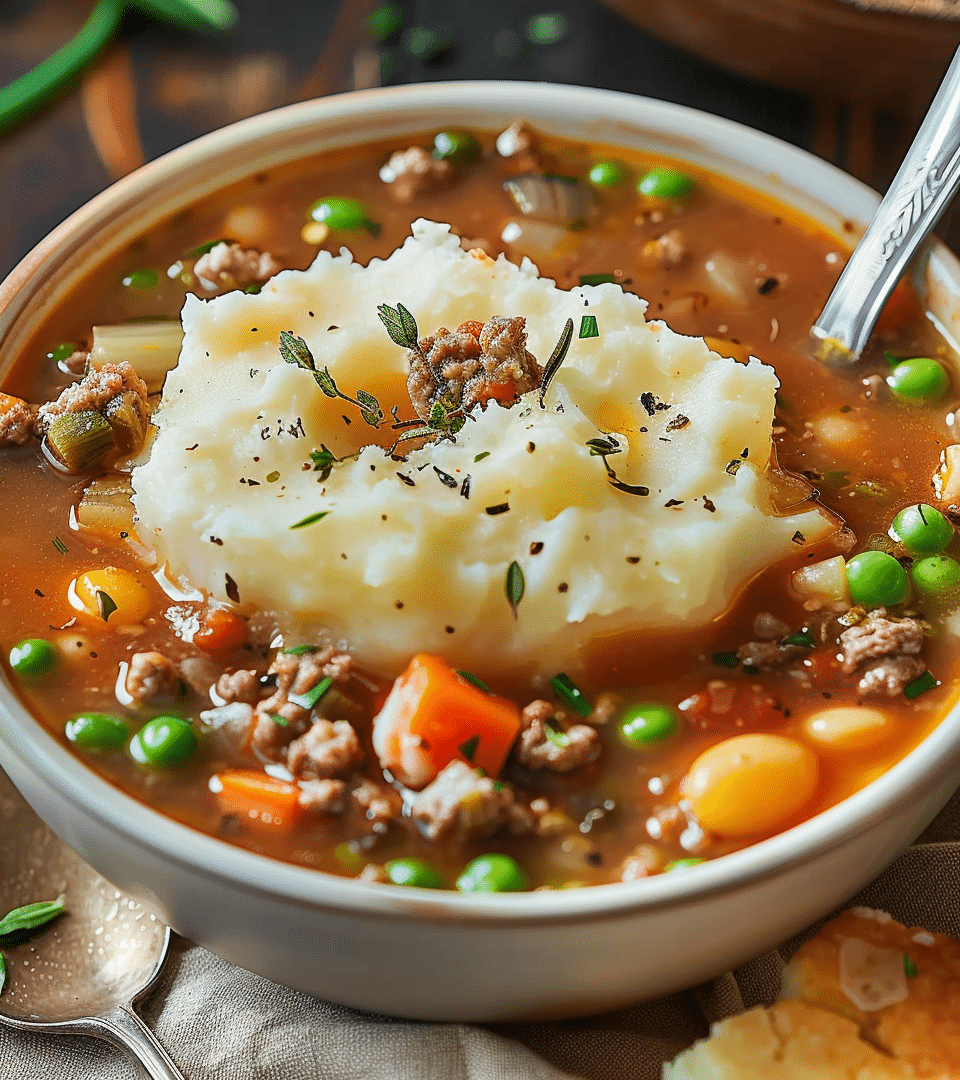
220,630
433,716
260,800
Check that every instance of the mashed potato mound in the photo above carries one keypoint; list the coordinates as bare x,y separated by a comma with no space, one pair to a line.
414,555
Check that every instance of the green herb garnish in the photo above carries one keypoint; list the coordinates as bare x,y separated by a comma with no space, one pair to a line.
478,683
801,637
469,748
555,735
384,22
568,692
602,447
310,519
106,605
481,456
597,279
311,697
726,659
30,917
400,325
294,350
927,681
557,357
588,327
273,477
515,586
203,249
60,545
299,650
909,967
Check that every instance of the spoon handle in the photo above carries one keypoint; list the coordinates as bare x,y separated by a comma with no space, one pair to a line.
918,195
123,1028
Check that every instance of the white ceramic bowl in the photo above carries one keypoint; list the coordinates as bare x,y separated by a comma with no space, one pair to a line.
441,955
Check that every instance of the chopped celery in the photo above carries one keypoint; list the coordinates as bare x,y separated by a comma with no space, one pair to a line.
105,507
80,440
125,415
153,348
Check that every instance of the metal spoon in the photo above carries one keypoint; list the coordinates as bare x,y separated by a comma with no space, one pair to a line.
920,192
83,974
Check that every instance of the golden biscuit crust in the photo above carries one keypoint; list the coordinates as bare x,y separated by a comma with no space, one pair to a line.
900,985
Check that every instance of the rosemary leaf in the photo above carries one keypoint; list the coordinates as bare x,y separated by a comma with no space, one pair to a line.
471,678
557,357
568,692
310,519
106,605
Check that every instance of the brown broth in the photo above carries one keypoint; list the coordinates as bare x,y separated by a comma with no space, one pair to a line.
893,447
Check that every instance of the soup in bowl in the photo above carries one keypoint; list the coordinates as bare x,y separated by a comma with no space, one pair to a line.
429,507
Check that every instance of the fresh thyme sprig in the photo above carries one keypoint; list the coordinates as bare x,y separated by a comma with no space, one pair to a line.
401,326
294,350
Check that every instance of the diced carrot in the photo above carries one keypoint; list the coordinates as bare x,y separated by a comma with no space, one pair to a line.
902,305
220,630
433,716
259,799
502,391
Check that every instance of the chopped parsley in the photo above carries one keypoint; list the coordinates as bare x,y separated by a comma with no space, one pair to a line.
310,519
588,327
570,694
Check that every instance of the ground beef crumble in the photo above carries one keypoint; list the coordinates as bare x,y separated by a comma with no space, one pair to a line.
471,364
242,685
230,266
894,643
17,419
322,796
152,676
566,749
461,802
97,390
413,171
327,750
769,655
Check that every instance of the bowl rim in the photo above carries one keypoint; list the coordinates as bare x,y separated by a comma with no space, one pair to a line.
29,746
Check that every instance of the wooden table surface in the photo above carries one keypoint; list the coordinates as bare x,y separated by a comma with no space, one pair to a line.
157,88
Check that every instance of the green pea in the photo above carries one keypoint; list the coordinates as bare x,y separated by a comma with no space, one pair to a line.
492,873
340,214
876,579
457,146
665,183
384,22
936,575
922,529
163,741
97,731
644,725
682,864
33,657
921,381
608,174
413,872
63,351
140,279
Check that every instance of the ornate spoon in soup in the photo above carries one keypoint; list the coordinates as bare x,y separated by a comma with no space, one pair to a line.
920,192
93,962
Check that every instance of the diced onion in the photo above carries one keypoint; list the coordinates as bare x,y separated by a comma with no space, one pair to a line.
560,200
152,348
730,278
825,582
105,507
947,481
537,239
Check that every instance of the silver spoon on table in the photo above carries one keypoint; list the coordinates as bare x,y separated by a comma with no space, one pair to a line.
920,192
83,974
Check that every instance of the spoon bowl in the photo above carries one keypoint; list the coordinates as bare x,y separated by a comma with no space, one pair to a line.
83,973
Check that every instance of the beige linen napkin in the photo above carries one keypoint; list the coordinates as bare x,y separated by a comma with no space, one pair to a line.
219,1022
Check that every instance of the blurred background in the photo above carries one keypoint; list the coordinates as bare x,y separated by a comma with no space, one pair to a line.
847,79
